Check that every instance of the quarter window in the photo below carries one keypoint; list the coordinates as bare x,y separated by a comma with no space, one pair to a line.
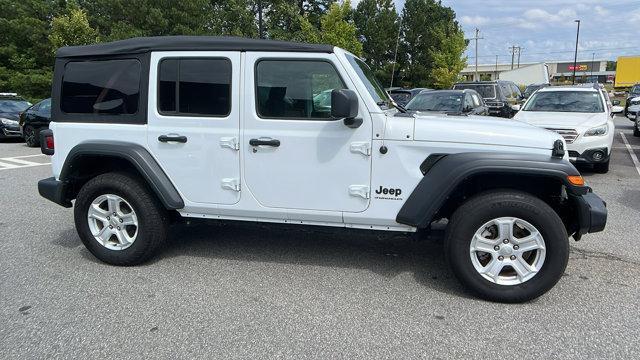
295,89
101,87
200,87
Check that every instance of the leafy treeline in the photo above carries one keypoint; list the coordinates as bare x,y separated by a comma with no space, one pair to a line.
429,51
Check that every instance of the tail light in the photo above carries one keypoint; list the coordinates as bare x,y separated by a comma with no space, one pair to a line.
46,142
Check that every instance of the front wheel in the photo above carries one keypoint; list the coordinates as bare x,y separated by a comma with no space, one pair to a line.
601,168
31,136
119,220
636,126
507,246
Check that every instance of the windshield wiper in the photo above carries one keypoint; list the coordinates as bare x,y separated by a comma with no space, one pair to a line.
397,106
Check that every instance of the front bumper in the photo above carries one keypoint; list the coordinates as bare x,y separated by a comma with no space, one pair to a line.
54,190
592,214
587,156
503,111
7,131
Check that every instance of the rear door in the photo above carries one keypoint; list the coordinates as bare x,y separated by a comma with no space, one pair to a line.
295,155
194,123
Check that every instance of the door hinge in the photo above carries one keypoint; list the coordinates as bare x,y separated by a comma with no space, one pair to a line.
230,142
363,148
231,184
359,190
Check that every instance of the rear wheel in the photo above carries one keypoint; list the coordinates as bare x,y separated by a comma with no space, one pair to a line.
507,246
119,220
31,136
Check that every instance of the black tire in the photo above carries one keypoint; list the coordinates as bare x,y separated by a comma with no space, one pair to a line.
153,219
506,203
31,136
601,168
636,130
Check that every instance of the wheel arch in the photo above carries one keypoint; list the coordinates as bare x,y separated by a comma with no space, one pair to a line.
452,179
89,159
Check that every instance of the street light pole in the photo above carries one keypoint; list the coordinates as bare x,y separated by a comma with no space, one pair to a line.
575,56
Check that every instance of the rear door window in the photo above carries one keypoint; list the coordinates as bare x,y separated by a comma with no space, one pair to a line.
101,87
195,87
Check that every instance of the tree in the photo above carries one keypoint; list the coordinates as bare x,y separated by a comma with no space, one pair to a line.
335,29
72,29
25,50
433,42
377,25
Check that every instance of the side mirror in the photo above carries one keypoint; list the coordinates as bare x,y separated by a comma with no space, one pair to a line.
615,102
617,109
516,107
344,104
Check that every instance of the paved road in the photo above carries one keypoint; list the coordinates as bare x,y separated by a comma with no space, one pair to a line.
255,291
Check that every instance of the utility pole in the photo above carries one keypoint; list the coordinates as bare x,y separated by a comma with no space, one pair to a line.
575,56
519,51
496,74
593,58
513,54
476,38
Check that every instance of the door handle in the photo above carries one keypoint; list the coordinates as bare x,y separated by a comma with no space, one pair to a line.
172,138
264,141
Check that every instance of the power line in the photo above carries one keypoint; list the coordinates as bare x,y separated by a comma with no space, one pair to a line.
563,51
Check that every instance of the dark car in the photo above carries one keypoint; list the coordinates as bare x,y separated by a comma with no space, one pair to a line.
403,96
503,98
35,119
530,89
633,93
453,102
11,105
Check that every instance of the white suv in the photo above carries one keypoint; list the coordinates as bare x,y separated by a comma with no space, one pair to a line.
581,115
151,130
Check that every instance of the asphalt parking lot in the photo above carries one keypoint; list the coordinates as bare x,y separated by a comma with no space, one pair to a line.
240,290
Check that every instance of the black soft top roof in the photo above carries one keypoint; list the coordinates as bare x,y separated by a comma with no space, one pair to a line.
187,43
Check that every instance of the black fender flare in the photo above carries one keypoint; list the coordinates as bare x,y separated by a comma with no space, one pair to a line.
445,173
137,156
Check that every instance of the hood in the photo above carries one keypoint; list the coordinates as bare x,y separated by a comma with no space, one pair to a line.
483,130
561,120
9,115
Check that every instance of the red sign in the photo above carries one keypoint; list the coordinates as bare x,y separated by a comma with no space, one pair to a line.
578,67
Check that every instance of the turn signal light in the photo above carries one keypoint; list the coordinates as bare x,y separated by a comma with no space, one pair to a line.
576,180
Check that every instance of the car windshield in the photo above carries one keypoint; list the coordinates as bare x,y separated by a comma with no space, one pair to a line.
565,101
635,89
13,106
401,97
371,83
531,89
487,91
434,101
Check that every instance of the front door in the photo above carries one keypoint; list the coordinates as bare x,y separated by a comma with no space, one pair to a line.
296,155
194,123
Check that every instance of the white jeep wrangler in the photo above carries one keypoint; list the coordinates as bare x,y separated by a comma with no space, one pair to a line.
258,130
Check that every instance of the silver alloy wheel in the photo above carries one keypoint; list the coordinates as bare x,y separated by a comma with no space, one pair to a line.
113,222
507,251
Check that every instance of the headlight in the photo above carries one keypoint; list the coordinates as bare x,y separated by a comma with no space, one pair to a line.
597,131
9,122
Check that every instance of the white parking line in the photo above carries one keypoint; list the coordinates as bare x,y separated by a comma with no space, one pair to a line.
17,162
634,158
20,161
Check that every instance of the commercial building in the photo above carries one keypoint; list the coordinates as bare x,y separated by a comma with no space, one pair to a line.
586,71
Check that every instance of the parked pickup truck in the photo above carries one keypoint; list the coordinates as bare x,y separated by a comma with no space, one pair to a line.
148,130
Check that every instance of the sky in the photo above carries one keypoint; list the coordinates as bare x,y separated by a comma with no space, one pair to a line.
546,30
